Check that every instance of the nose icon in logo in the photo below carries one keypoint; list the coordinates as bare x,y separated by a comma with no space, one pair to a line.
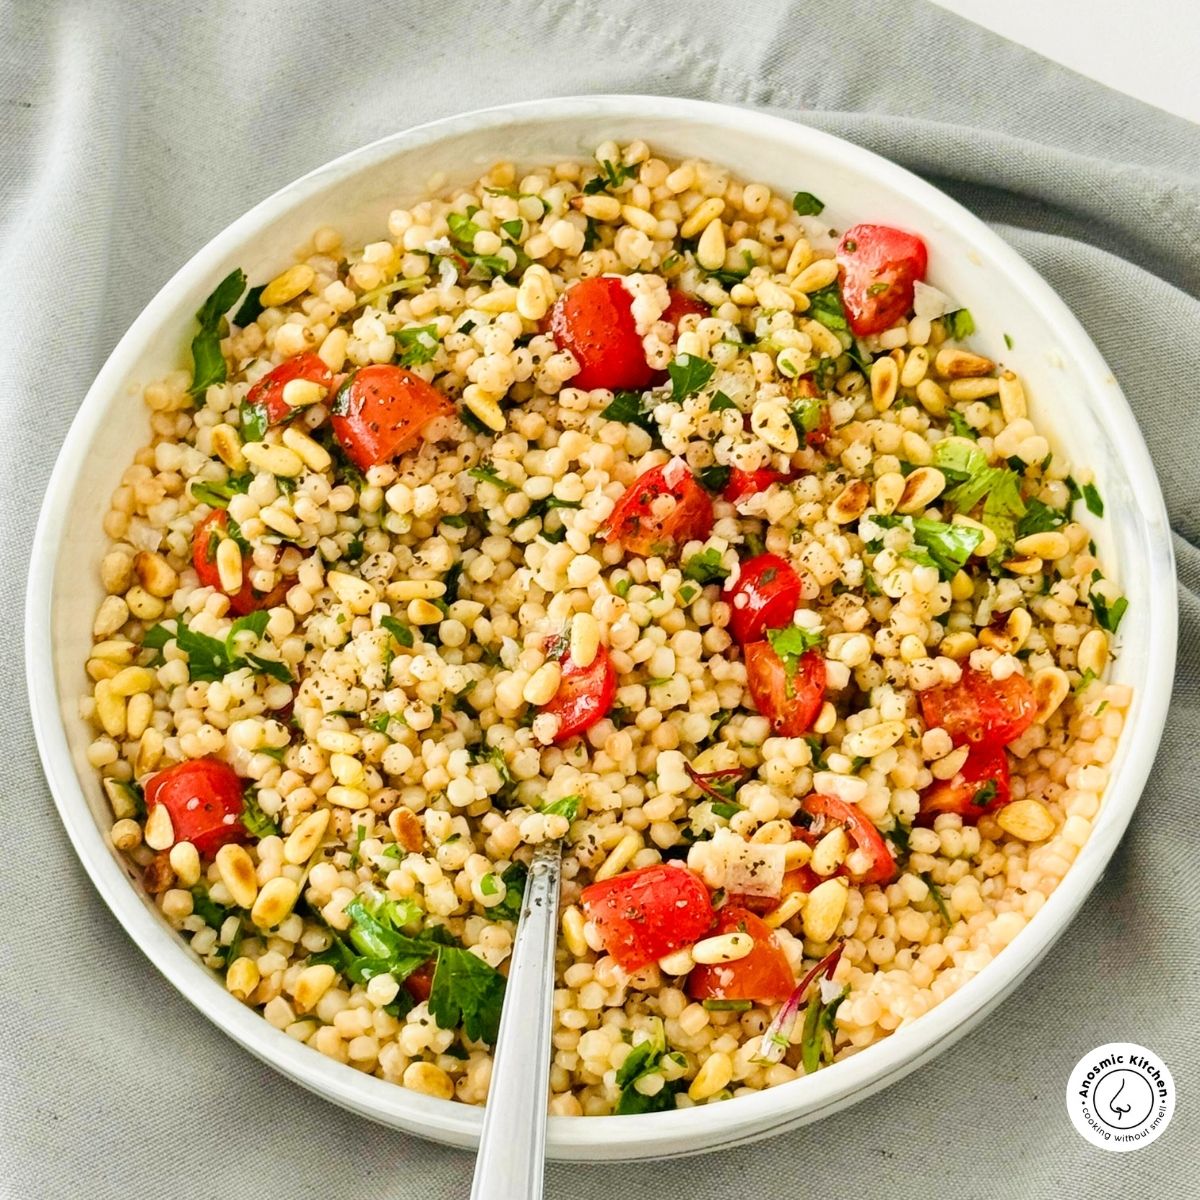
1116,1109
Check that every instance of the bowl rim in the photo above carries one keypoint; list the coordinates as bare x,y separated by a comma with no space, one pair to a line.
740,1118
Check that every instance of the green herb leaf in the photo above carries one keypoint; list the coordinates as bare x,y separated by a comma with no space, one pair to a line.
961,429
960,324
485,474
706,567
957,461
207,909
720,402
1091,497
567,807
251,308
688,375
826,306
936,895
218,495
418,344
208,363
513,882
253,817
1039,518
466,992
611,176
791,643
1107,615
714,478
805,204
629,407
398,630
644,1059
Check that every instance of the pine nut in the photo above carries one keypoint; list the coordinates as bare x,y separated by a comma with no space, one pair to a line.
356,594
701,218
1093,652
851,502
300,393
534,295
306,837
155,574
314,456
133,680
116,650
933,398
824,341
429,1079
640,219
486,409
921,489
229,565
110,709
347,797
126,834
333,349
710,249
599,208
1050,689
1011,636
227,446
824,909
160,833
915,367
959,364
958,645
875,739
799,258
724,948
282,522
311,984
542,684
1022,566
770,421
888,490
242,977
288,285
714,1076
885,379
989,542
680,962
407,829
830,852
572,927
1012,398
1029,820
817,275
619,857
789,906
141,604
585,639
972,389
421,612
236,869
185,862
1050,545
277,898
273,458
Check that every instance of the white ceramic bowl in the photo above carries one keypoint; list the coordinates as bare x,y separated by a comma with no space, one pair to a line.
1073,395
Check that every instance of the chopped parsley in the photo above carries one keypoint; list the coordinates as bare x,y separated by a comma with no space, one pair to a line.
805,204
1107,615
714,478
251,307
937,897
644,1059
466,992
688,375
513,882
486,474
218,495
720,402
629,407
791,643
398,630
935,543
210,658
418,345
567,807
958,462
611,176
208,363
985,795
1039,518
254,819
960,324
1091,497
961,427
706,567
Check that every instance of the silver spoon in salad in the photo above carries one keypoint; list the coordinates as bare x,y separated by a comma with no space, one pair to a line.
512,1147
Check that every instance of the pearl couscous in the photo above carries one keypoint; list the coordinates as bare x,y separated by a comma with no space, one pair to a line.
622,503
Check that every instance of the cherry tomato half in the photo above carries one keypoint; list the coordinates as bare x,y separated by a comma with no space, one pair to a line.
879,266
267,393
831,811
763,975
980,709
981,786
765,596
593,319
661,510
207,536
204,799
584,696
381,410
749,483
790,702
420,982
645,914
683,305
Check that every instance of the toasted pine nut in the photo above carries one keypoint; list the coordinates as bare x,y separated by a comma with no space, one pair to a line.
599,208
1029,820
155,574
619,857
851,502
275,901
888,490
830,852
585,639
875,739
1011,636
960,364
933,398
542,684
356,594
824,908
486,409
1050,545
227,446
1012,398
1093,652
288,285
242,977
1050,688
347,797
789,906
421,612
958,645
723,948
770,421
701,217
429,1079
639,218
229,565
277,519
819,273
300,393
402,590
915,367
306,837
572,927
132,680
311,984
921,489
314,456
110,709
185,862
273,458
972,389
1023,566
714,1075
989,542
885,378
160,833
710,249
236,869
333,349
407,829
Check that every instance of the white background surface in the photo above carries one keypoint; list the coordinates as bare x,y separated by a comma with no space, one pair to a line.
1146,50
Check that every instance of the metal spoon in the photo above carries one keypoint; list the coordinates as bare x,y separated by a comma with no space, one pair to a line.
511,1159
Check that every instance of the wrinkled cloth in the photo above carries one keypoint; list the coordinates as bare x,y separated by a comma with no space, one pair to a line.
134,132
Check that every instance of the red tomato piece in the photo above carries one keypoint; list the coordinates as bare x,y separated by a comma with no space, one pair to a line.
204,798
584,696
267,393
790,703
661,510
763,975
879,266
380,411
748,483
831,811
593,319
765,596
979,709
207,536
420,982
683,305
645,914
981,786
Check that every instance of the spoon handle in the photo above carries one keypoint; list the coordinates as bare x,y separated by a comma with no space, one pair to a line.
512,1147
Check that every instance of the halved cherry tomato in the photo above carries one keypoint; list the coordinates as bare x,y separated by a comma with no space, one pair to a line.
645,914
381,410
879,266
790,703
420,982
980,709
663,508
748,483
207,535
584,696
267,393
204,799
593,319
763,975
682,305
981,786
831,811
764,597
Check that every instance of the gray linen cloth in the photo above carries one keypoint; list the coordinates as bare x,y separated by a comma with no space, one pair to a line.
132,133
